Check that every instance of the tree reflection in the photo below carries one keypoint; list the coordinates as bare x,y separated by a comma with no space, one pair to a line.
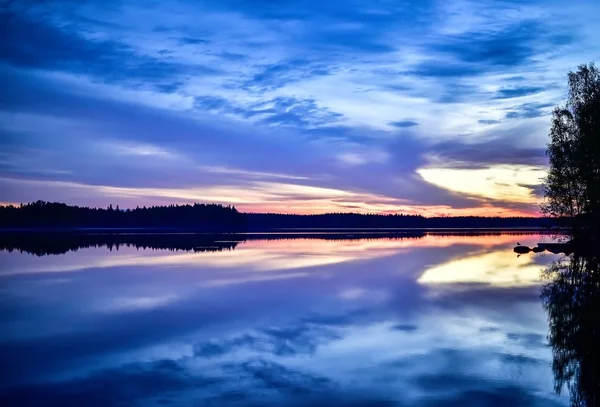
572,300
54,243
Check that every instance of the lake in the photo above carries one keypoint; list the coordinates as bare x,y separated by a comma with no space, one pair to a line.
430,320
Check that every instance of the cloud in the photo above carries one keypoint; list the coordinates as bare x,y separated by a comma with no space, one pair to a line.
404,123
192,41
511,46
488,121
529,110
278,75
483,154
405,327
37,43
436,69
502,183
353,96
508,93
139,150
280,111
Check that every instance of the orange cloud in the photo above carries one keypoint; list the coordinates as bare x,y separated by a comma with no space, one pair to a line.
280,197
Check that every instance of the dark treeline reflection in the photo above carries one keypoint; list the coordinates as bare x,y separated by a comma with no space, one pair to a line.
42,244
572,300
52,243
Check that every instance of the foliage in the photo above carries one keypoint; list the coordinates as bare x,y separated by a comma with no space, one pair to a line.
42,214
572,300
219,218
572,188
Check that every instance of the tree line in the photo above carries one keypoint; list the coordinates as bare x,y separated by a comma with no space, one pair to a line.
572,192
257,221
220,218
51,215
572,188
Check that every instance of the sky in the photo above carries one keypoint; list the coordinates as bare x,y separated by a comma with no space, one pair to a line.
432,107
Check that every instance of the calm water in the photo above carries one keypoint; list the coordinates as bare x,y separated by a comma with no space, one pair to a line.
429,321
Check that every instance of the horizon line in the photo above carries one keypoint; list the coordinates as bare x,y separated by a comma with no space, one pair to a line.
18,205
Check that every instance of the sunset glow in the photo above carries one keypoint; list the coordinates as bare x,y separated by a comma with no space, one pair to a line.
434,108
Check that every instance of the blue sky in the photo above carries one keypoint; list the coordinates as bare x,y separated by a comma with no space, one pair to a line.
432,107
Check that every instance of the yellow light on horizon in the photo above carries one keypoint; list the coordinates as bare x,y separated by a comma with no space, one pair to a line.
262,196
510,183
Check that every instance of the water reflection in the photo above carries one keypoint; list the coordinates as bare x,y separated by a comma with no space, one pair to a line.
48,243
572,300
433,320
252,252
495,268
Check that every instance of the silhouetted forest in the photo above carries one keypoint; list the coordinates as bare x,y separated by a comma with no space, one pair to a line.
257,221
572,188
572,194
219,218
50,215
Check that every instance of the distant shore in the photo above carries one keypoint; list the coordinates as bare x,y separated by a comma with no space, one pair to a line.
216,218
299,231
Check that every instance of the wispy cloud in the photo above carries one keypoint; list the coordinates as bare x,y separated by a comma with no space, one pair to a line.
353,96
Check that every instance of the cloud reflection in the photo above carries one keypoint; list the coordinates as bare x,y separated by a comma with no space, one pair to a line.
254,254
497,268
305,321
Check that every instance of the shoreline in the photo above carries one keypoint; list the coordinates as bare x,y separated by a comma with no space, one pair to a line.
265,230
